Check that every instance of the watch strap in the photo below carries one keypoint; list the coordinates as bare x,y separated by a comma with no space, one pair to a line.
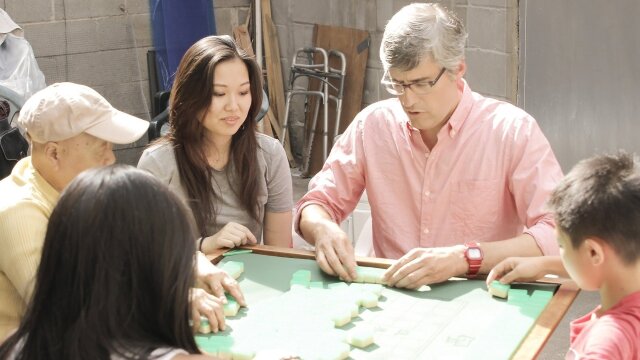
474,264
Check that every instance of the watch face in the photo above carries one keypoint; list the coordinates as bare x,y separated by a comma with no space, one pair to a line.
474,254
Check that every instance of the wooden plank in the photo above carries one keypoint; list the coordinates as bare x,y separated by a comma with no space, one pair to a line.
243,39
276,131
305,254
274,71
266,126
298,254
269,123
272,57
354,44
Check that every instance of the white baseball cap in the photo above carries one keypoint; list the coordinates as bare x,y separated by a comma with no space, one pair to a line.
64,110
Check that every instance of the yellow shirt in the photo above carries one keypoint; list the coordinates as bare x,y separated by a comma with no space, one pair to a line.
26,202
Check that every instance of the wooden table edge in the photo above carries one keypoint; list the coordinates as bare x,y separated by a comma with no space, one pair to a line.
298,254
549,319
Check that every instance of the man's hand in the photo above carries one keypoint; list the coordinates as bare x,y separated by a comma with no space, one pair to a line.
205,304
525,269
216,281
230,236
423,266
334,251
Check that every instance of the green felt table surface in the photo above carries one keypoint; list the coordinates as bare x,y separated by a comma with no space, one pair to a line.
457,319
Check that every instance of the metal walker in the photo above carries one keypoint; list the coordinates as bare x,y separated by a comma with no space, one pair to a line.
326,91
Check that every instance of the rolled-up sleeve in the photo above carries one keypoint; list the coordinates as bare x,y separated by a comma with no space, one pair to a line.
340,183
536,173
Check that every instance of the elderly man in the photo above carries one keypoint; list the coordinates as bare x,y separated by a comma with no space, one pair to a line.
71,128
456,181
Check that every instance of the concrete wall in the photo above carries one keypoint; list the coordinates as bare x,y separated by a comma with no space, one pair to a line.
103,43
492,48
583,87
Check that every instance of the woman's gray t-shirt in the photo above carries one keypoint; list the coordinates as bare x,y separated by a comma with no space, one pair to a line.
274,186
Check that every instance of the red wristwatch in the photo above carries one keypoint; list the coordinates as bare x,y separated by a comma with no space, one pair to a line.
474,257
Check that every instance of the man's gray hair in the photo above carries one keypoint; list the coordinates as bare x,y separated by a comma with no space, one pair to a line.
421,30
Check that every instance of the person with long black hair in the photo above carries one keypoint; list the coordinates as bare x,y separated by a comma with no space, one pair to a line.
115,275
236,182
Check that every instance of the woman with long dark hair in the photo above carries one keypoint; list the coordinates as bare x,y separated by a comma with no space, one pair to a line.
115,274
236,182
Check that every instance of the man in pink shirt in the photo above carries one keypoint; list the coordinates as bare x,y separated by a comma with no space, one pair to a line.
456,181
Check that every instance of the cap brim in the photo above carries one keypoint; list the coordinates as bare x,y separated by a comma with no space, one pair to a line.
119,128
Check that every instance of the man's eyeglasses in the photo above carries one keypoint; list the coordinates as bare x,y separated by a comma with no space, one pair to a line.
422,87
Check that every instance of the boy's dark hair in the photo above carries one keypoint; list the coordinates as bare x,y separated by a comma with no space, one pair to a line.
600,197
116,268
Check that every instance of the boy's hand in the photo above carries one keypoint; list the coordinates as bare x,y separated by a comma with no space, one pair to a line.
519,269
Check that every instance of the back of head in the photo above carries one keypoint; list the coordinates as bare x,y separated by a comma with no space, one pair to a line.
600,197
115,273
64,110
419,31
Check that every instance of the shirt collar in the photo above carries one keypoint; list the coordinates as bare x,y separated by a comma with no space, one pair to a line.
49,193
459,115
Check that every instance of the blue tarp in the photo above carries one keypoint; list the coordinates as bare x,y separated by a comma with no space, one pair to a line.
178,24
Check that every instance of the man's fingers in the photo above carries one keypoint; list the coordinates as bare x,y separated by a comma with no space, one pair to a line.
412,271
348,260
322,262
419,281
406,281
393,274
391,270
336,264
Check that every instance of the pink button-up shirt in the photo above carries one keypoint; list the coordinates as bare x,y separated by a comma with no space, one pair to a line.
487,178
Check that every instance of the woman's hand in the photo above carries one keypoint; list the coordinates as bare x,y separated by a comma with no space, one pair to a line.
230,236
